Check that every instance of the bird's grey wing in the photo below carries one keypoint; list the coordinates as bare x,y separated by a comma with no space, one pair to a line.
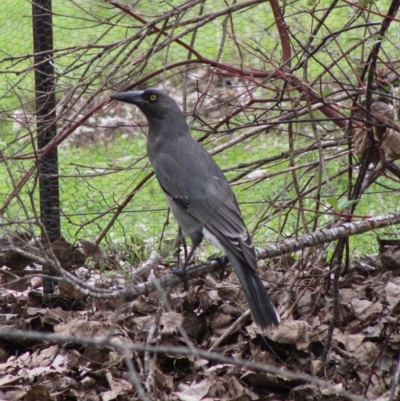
196,185
210,201
220,215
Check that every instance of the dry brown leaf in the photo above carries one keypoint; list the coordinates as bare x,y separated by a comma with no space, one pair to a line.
55,316
45,357
305,392
219,322
366,353
219,369
118,387
236,391
366,310
165,382
392,292
91,329
332,391
350,341
390,258
388,139
146,304
262,380
391,144
8,379
348,294
169,323
85,394
264,357
36,393
218,389
194,391
291,332
208,298
305,304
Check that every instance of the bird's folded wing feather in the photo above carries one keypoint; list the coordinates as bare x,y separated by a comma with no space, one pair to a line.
209,200
224,221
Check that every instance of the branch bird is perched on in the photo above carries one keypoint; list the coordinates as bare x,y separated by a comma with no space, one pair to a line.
199,195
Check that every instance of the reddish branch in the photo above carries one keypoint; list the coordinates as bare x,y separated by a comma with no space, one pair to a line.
283,34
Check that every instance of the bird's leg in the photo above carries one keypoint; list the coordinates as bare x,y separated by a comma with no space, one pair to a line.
181,271
223,262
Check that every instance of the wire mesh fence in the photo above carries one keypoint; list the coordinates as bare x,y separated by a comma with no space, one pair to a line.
275,102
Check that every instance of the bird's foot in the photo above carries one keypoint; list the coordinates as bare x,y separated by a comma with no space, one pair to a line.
222,261
181,271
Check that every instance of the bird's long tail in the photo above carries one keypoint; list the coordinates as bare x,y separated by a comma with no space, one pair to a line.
262,309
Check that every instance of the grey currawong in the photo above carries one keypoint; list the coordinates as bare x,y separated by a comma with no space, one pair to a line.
199,195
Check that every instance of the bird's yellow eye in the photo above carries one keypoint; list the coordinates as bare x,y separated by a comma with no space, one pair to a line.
153,98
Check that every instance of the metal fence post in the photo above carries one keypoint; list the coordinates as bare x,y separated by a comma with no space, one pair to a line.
46,120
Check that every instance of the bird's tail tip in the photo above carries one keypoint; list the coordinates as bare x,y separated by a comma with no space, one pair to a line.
268,320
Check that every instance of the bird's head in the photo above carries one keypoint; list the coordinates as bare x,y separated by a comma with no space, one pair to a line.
154,103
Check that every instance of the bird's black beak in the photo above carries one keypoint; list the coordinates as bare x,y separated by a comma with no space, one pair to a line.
129,97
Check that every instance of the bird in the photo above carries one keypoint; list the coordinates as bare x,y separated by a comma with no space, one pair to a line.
199,195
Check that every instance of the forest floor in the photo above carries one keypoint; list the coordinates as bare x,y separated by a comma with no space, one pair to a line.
99,349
